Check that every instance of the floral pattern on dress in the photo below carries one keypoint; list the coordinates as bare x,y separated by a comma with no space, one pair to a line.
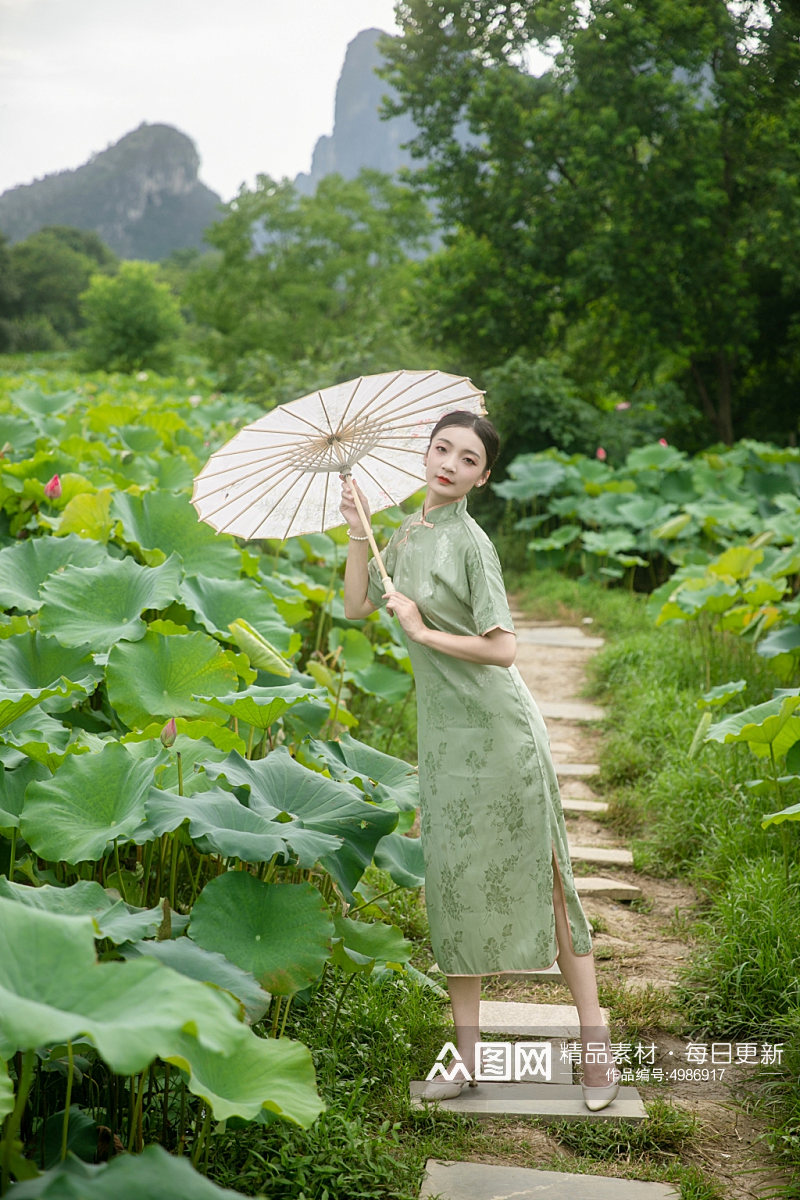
490,813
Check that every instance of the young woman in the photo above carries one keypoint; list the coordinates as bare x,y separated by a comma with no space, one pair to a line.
499,888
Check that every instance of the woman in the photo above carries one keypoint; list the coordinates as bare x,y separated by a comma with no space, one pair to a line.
498,882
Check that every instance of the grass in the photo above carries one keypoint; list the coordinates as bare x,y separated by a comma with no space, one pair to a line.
688,816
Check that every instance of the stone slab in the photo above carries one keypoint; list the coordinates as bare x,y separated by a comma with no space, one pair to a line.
609,889
556,635
518,1018
576,770
607,856
571,805
570,710
555,1101
484,1181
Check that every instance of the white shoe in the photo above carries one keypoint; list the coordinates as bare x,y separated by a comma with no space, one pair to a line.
596,1098
445,1089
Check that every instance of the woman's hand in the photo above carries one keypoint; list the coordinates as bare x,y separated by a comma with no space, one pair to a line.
407,614
348,506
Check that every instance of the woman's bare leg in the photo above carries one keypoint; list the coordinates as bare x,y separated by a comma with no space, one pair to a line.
579,975
465,998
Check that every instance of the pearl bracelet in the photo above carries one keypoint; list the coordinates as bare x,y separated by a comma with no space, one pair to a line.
355,538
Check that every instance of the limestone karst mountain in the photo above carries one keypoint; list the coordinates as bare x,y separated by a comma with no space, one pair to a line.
142,196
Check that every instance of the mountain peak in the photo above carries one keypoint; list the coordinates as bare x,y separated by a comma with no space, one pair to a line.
141,195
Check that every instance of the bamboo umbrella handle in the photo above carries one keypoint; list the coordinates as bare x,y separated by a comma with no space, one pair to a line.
387,583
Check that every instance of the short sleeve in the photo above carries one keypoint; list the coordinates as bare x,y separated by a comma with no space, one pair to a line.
375,588
487,590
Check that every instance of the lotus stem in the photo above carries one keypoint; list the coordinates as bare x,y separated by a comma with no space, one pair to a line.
200,1137
182,1120
286,1007
119,872
179,761
135,1135
173,874
14,1120
165,1105
250,741
342,992
67,1100
12,855
146,868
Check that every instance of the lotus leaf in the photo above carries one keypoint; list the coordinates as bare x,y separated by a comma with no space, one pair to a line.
402,857
81,1136
261,653
188,958
655,457
531,476
564,536
610,541
88,515
773,727
257,1075
189,734
384,682
33,660
16,702
17,433
91,801
157,678
355,650
717,696
792,813
24,566
126,1177
115,920
372,941
222,825
101,605
279,781
167,522
280,932
381,776
12,790
53,990
259,706
218,603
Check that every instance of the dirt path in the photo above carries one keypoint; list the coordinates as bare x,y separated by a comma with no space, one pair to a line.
639,950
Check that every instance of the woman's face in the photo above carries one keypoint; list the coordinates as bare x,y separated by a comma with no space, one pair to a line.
455,462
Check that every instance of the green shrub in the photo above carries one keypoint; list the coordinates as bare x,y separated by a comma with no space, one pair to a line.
132,320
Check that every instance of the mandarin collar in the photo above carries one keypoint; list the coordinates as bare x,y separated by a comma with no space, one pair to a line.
444,512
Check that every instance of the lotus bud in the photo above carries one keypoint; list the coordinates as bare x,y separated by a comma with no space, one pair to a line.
601,454
169,733
663,442
52,489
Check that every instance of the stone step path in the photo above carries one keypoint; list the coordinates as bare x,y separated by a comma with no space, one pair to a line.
607,856
560,1098
553,1101
484,1181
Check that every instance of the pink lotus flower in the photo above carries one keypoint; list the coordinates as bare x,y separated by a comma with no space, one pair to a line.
663,442
622,406
52,489
601,454
169,733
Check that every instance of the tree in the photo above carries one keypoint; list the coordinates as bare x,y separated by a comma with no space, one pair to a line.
50,270
649,177
315,279
132,320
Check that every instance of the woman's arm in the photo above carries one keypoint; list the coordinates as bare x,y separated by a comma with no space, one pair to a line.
356,576
496,648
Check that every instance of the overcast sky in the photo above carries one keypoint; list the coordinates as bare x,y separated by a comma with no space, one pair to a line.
252,82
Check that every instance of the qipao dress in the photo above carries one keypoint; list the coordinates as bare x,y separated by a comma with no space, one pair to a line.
490,811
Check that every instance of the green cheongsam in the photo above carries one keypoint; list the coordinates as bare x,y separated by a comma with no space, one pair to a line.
490,811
